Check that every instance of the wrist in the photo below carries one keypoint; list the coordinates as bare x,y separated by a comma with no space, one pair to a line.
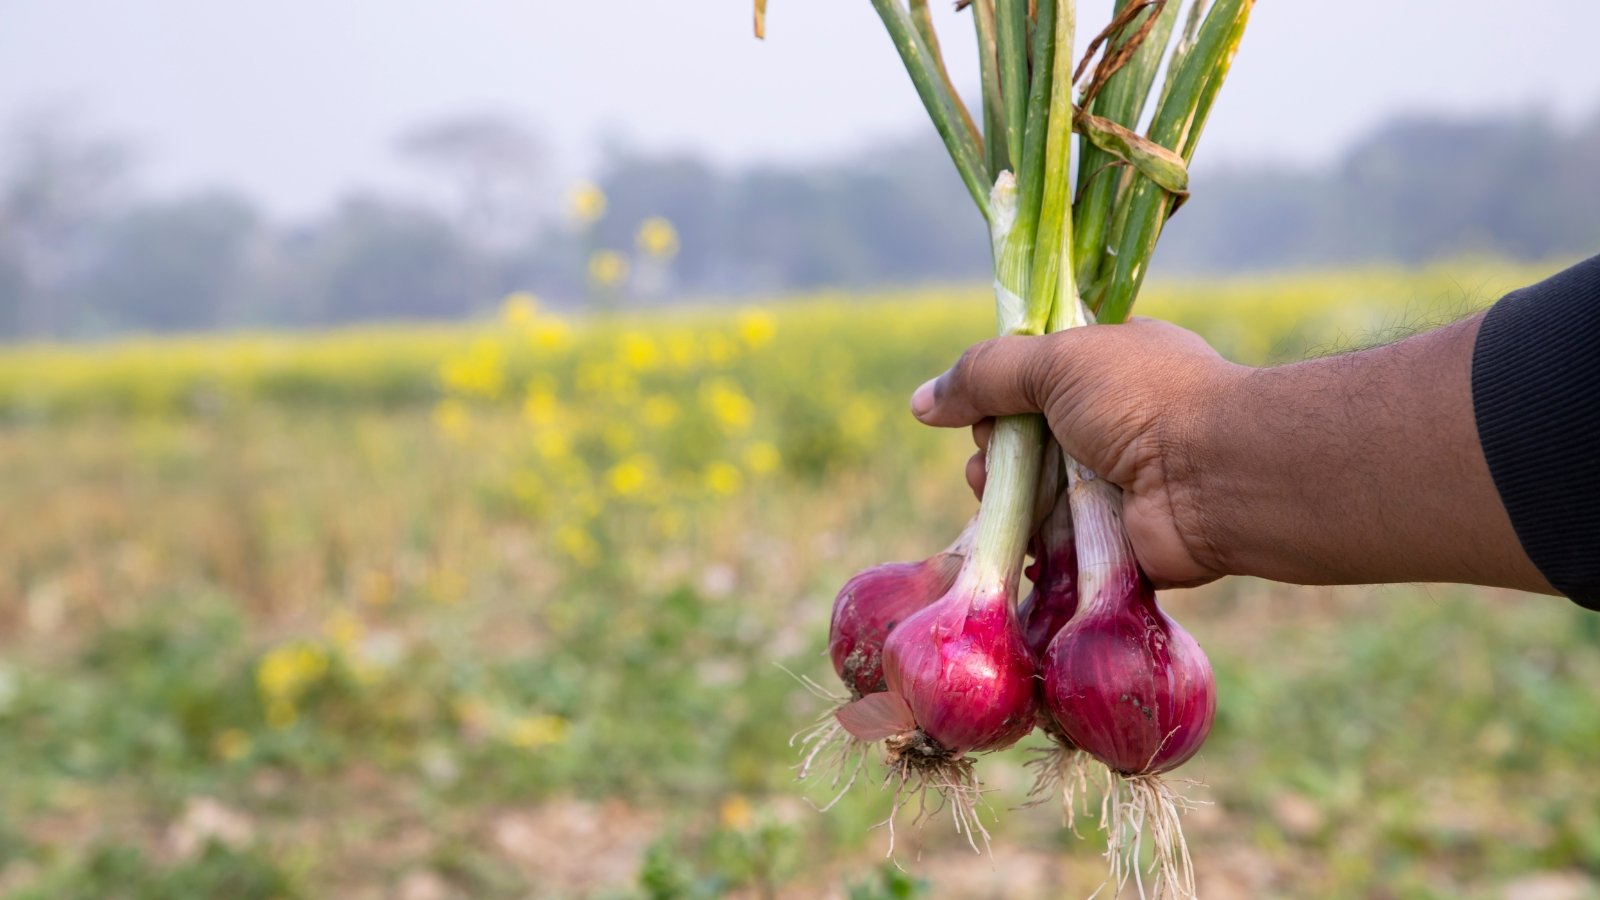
1202,467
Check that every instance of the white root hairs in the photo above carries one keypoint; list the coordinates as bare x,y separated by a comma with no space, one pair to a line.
1130,805
826,747
952,781
1060,770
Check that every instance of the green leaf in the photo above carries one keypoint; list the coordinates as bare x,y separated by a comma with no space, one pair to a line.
937,100
1153,161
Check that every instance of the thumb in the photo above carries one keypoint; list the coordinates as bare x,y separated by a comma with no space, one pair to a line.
1000,377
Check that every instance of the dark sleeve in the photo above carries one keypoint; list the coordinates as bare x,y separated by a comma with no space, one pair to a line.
1536,397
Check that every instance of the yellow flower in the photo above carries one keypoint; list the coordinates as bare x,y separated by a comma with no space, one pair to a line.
638,351
533,732
728,404
231,744
630,476
288,669
541,407
519,310
736,813
657,238
587,202
762,458
607,268
550,333
480,372
578,545
723,478
344,629
756,327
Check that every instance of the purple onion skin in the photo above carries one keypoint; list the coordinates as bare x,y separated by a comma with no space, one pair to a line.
871,604
1049,607
1128,684
964,670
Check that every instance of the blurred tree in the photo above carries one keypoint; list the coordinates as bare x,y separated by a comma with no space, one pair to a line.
1417,189
56,185
497,166
376,259
76,258
183,264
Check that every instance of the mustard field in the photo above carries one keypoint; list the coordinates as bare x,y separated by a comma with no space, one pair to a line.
519,608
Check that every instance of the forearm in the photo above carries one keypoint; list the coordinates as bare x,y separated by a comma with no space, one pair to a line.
1359,468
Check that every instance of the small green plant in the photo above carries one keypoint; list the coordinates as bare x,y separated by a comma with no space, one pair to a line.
887,882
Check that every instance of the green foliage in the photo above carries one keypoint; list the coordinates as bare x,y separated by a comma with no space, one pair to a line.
116,872
888,883
335,624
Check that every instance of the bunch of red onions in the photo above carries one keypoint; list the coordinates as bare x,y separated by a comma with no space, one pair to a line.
1126,684
958,675
1089,658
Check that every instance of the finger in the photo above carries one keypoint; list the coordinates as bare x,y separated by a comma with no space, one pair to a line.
1001,377
981,433
977,473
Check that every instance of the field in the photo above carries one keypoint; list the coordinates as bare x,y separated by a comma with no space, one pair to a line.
511,610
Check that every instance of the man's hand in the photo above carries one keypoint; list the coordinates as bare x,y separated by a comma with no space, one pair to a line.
1351,469
1121,400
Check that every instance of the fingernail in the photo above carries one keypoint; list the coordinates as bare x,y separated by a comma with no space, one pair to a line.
922,400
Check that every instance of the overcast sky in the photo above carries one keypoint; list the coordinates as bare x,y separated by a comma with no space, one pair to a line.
297,101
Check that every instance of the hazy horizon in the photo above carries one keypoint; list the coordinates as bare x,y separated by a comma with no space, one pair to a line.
299,103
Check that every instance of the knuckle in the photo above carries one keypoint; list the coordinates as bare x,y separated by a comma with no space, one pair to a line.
1040,371
968,370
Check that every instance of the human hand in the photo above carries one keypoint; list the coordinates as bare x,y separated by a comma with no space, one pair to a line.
1124,400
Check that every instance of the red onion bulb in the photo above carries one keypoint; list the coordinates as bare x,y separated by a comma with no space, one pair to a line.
1054,573
964,671
1122,680
873,602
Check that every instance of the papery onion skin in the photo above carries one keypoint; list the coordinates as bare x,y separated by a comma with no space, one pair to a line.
964,670
1128,684
871,604
1054,598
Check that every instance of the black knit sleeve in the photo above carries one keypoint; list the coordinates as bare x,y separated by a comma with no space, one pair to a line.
1536,397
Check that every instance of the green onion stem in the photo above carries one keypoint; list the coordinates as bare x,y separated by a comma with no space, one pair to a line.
939,102
1053,239
1121,101
1030,177
1017,445
1006,516
1186,41
995,147
1146,204
1219,73
923,22
1012,17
